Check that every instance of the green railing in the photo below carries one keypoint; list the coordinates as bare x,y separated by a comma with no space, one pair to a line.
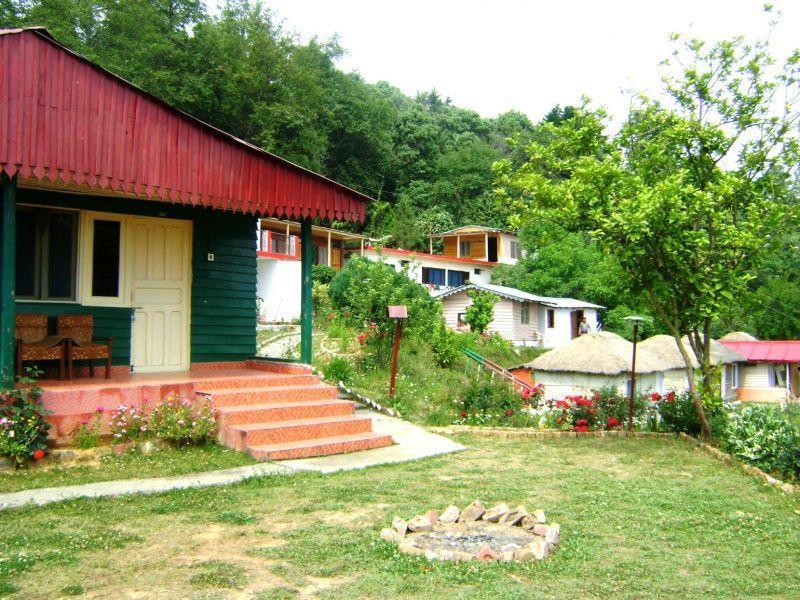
496,370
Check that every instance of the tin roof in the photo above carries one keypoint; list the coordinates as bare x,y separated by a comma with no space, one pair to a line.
520,296
67,122
787,351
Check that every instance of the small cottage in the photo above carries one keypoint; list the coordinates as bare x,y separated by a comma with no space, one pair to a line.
522,318
672,375
594,361
768,371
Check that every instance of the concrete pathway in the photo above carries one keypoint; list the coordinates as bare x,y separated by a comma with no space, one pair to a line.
411,442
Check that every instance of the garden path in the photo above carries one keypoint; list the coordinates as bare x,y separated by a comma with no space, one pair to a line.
411,442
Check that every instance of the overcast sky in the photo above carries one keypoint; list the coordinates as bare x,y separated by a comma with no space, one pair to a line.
498,55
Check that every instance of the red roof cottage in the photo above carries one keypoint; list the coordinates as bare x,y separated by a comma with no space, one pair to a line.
123,217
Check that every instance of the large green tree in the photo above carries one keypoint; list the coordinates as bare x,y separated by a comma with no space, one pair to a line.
689,195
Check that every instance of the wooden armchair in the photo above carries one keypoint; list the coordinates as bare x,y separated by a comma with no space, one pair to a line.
81,344
32,343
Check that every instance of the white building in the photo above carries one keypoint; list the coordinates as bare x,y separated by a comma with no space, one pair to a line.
522,318
279,264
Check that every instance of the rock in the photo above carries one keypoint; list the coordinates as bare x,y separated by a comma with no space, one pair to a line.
507,556
540,529
64,455
528,523
450,514
514,516
147,447
431,555
553,531
419,524
524,554
399,525
432,516
494,514
6,463
389,535
485,553
788,488
473,512
538,514
539,549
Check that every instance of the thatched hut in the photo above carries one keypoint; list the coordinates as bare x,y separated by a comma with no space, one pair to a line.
673,367
594,361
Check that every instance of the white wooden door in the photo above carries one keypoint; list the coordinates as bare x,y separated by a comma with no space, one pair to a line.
161,273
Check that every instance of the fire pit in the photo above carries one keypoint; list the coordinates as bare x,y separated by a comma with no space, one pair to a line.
499,533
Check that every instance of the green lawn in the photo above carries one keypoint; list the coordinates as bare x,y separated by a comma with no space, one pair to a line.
639,518
174,461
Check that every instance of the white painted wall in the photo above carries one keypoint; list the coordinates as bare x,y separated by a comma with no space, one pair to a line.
505,248
560,384
279,287
416,262
754,375
561,333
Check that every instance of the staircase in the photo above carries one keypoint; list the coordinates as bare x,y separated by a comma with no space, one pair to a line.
283,411
494,369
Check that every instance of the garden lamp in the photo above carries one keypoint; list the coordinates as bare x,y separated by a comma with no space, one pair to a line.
636,320
400,313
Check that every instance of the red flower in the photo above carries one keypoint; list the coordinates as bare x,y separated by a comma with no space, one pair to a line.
463,415
581,422
670,396
331,316
612,423
655,397
38,455
509,412
581,428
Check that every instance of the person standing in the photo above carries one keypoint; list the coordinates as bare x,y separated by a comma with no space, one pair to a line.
584,327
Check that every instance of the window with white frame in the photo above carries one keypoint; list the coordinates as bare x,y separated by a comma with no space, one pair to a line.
104,248
465,249
515,251
524,313
551,318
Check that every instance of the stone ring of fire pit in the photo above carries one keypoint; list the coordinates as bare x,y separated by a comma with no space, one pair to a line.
499,533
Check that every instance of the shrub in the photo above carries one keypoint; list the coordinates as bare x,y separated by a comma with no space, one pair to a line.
23,429
764,436
604,409
322,274
491,402
481,312
363,290
338,369
446,346
319,298
129,424
88,433
182,421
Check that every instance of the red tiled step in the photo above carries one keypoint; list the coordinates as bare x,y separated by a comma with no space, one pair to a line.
255,381
339,444
268,395
282,411
254,434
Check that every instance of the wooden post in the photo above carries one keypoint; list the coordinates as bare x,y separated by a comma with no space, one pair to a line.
362,247
458,246
633,377
306,304
8,267
486,245
397,334
330,250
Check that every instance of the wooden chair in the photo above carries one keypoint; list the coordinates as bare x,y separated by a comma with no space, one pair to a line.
81,343
32,343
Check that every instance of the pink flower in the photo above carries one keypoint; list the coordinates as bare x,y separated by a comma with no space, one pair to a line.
100,409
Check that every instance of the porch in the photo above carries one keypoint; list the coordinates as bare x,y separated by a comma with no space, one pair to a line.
271,410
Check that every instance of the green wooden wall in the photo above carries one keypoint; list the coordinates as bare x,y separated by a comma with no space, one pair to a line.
223,303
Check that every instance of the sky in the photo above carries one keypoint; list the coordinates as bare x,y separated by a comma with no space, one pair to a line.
500,55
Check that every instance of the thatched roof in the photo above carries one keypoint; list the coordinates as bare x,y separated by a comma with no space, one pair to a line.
665,350
602,353
738,336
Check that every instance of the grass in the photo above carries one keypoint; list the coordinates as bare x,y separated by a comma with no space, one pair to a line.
425,392
639,518
174,461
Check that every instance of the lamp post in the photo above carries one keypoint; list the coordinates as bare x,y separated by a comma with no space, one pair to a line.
636,320
400,313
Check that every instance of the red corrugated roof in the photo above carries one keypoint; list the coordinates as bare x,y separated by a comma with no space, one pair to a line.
766,351
67,120
442,257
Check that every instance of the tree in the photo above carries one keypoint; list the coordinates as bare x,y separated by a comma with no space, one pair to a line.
481,312
688,197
